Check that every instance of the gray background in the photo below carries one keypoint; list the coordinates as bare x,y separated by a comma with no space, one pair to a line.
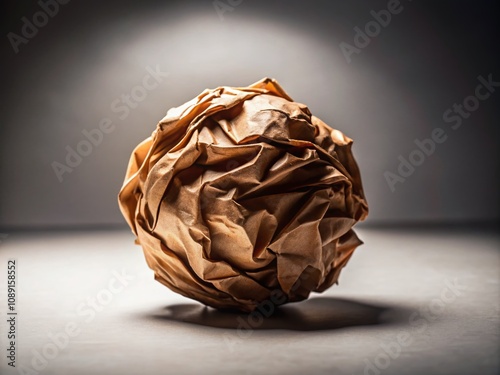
396,90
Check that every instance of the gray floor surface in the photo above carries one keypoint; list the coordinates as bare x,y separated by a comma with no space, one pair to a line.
411,301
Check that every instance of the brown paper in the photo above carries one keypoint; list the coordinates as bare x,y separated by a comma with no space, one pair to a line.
241,193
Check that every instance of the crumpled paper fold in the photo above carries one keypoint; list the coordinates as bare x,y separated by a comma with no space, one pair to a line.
240,193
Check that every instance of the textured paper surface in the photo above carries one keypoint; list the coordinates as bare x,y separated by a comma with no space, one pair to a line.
241,193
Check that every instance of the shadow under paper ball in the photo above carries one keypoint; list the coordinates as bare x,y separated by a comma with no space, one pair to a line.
323,313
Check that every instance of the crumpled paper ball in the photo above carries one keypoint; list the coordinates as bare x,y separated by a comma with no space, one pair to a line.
241,195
